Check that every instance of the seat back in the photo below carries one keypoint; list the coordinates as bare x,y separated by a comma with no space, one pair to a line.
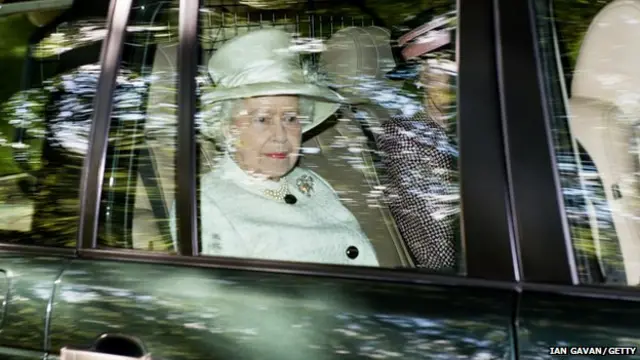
344,157
595,125
356,58
604,108
607,65
155,190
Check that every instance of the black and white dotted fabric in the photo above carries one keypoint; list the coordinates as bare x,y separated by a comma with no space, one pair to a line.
421,192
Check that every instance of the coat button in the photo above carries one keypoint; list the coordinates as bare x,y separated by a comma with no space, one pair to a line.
352,252
290,199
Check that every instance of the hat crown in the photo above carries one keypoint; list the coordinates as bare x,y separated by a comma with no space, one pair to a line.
264,63
261,56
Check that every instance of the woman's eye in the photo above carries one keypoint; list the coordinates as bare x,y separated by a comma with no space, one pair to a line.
260,119
291,119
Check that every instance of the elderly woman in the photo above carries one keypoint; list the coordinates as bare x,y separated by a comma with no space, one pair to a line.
257,203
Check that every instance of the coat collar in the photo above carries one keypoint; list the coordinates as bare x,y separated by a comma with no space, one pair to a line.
229,170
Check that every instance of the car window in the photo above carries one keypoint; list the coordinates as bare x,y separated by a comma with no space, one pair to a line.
49,67
326,134
139,175
590,53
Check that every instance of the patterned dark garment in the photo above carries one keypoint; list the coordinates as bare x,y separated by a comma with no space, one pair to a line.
422,193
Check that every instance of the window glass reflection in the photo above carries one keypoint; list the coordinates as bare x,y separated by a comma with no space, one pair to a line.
139,179
49,80
594,98
334,139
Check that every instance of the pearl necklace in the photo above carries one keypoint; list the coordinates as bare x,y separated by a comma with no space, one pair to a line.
278,194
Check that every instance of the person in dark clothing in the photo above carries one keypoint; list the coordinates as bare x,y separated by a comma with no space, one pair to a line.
422,193
420,155
415,152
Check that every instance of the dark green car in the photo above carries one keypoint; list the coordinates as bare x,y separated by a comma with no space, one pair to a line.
102,133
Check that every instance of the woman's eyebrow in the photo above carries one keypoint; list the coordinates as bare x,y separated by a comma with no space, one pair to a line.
260,110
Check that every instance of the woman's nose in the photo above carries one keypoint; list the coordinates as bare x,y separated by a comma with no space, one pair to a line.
279,131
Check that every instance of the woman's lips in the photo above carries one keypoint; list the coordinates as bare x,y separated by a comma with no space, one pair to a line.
279,155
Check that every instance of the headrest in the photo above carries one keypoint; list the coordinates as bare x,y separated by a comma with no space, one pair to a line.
355,55
608,68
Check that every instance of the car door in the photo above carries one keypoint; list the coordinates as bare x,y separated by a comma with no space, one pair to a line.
128,280
28,282
185,312
39,170
579,296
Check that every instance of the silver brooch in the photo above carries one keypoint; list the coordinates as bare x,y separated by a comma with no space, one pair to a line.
305,184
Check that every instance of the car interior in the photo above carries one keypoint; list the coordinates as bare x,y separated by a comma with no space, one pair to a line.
343,150
353,174
605,123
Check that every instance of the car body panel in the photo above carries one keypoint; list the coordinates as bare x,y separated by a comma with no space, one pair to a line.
559,318
31,280
10,353
182,312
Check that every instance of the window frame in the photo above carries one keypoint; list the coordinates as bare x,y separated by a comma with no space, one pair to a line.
186,155
544,241
547,254
94,163
491,251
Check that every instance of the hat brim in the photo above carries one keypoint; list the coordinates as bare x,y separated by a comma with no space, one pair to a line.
326,101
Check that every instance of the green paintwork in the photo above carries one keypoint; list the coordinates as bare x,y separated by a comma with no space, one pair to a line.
31,281
197,313
182,312
8,353
547,320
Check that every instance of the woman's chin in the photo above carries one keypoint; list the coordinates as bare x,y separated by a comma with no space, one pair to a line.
275,168
277,173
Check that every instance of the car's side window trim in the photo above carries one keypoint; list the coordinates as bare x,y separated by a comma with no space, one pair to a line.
38,250
93,168
186,161
486,234
538,207
624,293
404,275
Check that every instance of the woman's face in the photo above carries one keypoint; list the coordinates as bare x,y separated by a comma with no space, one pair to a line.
268,134
439,95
